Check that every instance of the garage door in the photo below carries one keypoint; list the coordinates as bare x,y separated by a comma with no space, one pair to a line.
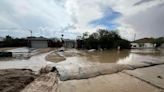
39,44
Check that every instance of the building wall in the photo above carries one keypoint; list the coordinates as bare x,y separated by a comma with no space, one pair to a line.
39,44
134,45
148,45
142,45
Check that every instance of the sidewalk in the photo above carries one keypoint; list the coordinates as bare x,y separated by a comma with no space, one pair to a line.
147,79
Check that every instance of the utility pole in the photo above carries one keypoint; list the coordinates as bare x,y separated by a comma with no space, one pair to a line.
134,36
30,32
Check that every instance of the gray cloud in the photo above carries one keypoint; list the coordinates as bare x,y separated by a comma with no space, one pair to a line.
148,23
32,15
142,1
68,27
71,17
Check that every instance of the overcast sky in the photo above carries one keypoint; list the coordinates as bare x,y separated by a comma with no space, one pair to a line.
51,18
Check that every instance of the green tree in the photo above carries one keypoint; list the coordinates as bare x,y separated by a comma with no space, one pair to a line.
158,41
103,39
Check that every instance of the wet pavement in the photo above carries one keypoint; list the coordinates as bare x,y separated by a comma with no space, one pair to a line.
118,82
147,79
153,75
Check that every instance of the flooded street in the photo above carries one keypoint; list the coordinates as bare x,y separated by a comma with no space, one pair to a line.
90,64
96,71
103,71
120,57
89,58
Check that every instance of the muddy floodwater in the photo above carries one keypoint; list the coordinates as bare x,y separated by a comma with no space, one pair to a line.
107,56
120,57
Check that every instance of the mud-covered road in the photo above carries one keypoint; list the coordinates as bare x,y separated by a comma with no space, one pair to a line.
14,80
85,72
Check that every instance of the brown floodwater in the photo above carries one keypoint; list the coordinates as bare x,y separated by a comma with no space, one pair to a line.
121,57
91,63
107,56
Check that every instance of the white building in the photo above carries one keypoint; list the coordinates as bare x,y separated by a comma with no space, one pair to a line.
149,45
135,45
38,42
143,43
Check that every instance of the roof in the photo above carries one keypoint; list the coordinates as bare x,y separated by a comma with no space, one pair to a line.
144,40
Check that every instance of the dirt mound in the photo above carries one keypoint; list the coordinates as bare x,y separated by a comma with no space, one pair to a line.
14,80
54,58
44,83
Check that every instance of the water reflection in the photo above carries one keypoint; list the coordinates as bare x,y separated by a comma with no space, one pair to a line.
120,57
143,55
108,56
